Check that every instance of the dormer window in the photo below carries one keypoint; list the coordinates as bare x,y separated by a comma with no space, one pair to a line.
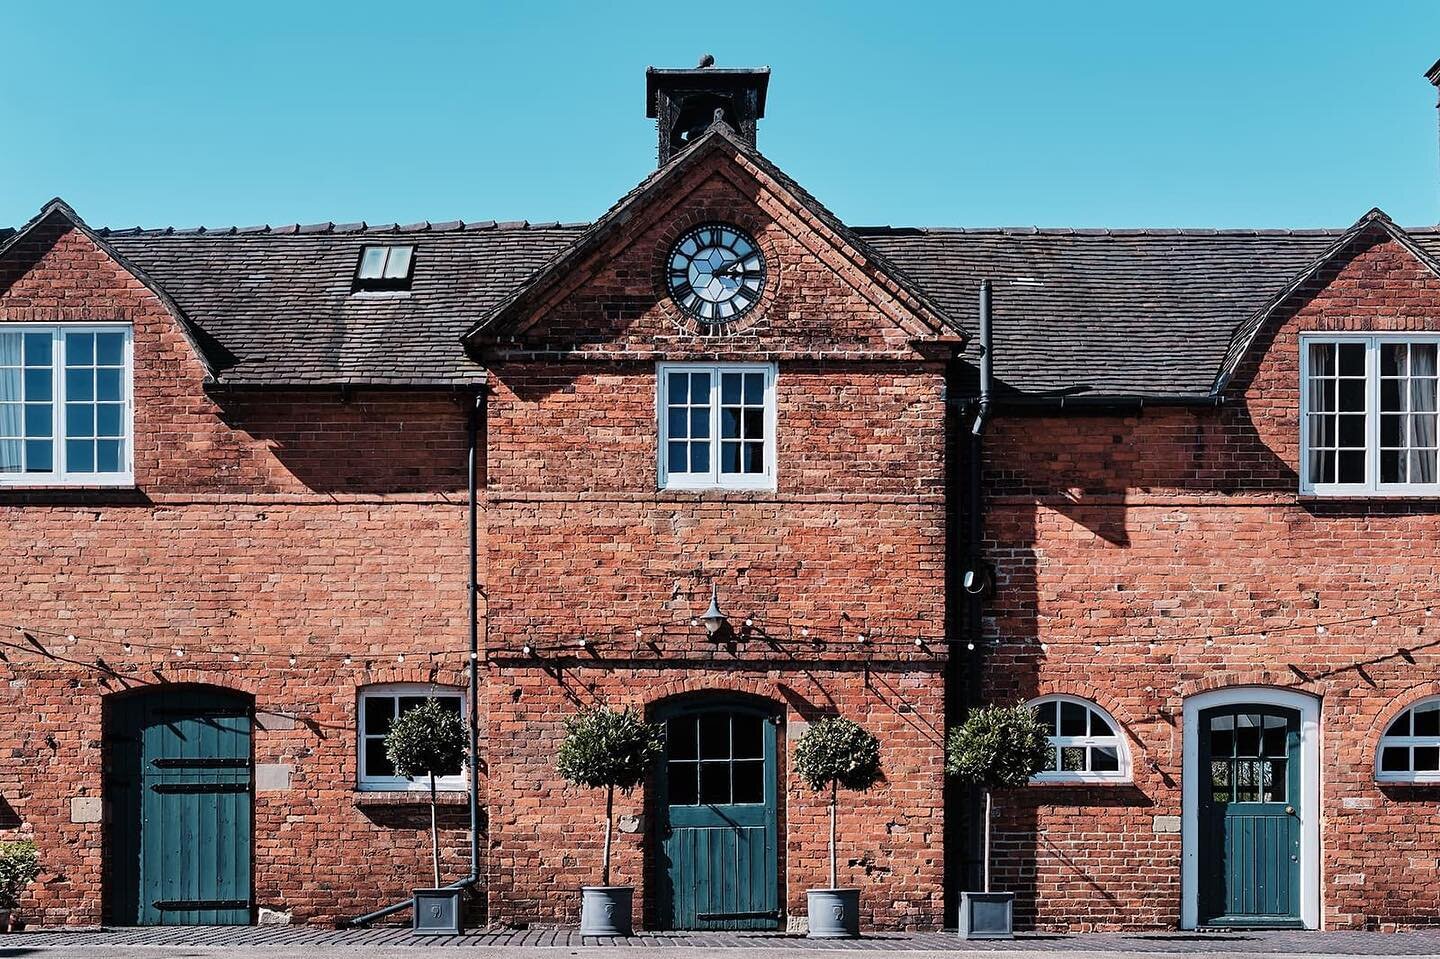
385,268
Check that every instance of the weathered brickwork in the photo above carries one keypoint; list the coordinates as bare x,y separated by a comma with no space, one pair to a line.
299,545
1145,559
581,546
262,527
546,836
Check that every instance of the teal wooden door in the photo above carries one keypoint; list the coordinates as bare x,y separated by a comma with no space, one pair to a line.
178,844
719,831
1249,817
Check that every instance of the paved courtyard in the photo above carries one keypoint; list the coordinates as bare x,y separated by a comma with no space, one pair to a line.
394,943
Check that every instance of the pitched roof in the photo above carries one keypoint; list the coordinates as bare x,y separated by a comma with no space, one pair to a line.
1108,312
1078,312
1373,222
280,300
204,351
720,137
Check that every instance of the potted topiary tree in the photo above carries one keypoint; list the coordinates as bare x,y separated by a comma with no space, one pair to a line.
429,740
997,747
19,864
605,749
834,753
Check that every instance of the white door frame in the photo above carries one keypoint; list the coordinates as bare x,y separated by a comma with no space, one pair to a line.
1309,708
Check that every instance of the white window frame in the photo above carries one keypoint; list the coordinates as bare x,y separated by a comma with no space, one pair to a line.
367,783
389,254
60,476
1422,777
1371,487
1058,742
714,479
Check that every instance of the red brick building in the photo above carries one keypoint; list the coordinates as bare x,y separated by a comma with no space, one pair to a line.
249,475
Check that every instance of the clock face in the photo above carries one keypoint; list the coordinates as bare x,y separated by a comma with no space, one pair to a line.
716,273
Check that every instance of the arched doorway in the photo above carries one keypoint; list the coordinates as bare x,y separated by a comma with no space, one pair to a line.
1251,809
179,784
718,815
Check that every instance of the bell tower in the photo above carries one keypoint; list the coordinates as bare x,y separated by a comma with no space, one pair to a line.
683,102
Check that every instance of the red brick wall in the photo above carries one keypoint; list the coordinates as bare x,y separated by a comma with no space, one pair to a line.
581,545
1146,537
267,526
546,836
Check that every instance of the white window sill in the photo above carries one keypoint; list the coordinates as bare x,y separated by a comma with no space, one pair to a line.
707,484
1079,779
1416,779
1419,494
371,796
49,481
448,784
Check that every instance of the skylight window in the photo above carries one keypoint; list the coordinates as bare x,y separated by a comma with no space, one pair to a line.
385,268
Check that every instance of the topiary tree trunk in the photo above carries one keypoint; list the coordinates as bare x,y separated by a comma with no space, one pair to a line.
426,740
837,752
610,750
609,831
997,747
434,832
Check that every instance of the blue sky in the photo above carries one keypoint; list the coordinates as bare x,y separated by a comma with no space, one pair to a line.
1094,113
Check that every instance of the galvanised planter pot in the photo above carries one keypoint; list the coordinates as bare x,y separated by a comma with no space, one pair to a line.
437,912
834,913
987,915
605,910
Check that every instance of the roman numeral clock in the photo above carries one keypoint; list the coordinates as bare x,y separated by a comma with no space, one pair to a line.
716,273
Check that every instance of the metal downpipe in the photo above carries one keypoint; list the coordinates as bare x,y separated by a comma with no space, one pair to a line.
474,423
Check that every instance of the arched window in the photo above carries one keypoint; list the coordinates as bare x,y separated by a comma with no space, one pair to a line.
379,707
1085,746
1410,749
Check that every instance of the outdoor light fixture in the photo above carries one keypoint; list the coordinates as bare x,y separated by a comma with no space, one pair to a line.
713,618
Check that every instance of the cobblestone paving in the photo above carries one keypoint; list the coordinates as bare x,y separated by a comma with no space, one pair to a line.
260,939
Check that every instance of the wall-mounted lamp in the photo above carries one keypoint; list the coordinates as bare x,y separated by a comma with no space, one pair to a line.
714,620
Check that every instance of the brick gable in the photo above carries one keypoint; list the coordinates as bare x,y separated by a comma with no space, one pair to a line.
262,526
824,296
1143,559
